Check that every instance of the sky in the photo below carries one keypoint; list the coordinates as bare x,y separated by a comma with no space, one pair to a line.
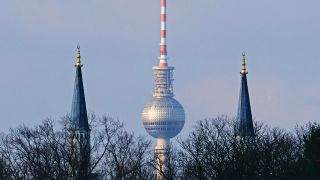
120,43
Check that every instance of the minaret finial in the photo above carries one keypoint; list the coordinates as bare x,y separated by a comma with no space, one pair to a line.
78,61
244,66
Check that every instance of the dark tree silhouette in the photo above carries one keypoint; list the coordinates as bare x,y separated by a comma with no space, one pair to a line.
211,151
311,139
126,157
43,152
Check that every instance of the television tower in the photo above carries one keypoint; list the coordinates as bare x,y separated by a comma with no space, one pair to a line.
164,117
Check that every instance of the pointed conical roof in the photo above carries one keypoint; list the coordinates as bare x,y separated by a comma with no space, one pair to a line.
79,117
244,116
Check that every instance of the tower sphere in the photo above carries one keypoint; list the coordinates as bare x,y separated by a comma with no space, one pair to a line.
163,117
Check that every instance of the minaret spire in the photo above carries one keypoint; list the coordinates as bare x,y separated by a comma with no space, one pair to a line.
163,44
244,116
79,111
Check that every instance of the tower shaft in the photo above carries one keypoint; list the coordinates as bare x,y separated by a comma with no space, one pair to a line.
161,153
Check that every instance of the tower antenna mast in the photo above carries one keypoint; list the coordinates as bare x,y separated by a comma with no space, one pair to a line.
163,42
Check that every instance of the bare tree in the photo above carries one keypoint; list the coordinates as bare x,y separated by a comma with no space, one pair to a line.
204,153
310,138
45,153
126,157
212,151
35,153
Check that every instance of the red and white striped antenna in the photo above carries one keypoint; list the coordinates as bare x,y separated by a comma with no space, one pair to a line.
163,45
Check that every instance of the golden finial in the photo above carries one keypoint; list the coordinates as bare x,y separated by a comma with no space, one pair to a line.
78,62
244,68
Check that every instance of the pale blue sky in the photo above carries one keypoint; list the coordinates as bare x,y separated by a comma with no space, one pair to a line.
119,43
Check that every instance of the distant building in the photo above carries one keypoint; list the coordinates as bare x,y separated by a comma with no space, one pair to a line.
244,121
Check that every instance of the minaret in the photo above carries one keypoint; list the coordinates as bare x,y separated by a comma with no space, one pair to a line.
79,120
164,117
244,116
